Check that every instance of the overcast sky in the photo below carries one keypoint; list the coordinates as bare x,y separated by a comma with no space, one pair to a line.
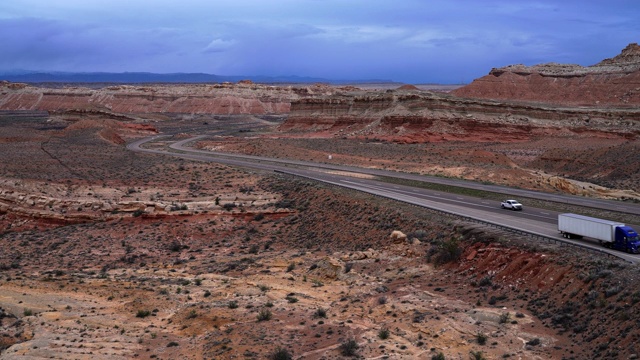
412,41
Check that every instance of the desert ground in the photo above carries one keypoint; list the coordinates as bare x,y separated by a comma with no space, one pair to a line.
111,254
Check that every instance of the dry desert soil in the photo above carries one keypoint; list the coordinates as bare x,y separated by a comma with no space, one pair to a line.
110,254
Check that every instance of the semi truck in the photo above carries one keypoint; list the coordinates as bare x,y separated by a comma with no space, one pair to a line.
611,234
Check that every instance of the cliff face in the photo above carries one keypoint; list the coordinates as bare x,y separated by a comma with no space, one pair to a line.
197,99
429,116
612,82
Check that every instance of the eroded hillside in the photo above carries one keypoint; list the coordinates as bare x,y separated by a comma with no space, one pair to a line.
612,82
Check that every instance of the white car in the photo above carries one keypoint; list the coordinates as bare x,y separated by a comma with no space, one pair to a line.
511,204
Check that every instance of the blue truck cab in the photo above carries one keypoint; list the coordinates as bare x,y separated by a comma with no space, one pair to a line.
626,239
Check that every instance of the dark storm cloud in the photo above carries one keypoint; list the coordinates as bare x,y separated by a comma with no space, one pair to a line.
405,40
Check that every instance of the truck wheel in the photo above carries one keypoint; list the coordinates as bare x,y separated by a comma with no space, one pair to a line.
502,206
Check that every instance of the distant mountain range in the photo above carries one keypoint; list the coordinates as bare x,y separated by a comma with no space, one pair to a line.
145,77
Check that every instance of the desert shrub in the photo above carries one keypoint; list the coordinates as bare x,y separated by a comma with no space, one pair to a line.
349,348
612,291
232,304
254,249
485,281
207,293
27,312
438,356
198,282
284,204
172,344
481,338
320,313
175,246
58,272
383,333
504,318
281,354
418,234
291,267
192,314
445,251
382,300
143,313
533,342
264,315
229,206
450,250
291,299
258,216
138,213
477,355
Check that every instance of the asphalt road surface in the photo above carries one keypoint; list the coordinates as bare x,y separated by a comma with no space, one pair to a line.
534,222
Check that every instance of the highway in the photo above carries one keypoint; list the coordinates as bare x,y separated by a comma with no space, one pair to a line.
535,222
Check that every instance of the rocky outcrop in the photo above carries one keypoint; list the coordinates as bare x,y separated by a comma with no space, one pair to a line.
226,99
437,115
612,82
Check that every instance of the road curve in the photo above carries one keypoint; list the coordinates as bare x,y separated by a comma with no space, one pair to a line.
538,222
560,198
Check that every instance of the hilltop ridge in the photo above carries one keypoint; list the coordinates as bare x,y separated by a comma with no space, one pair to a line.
611,82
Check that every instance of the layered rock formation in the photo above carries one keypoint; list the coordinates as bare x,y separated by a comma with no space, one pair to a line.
612,82
227,99
424,116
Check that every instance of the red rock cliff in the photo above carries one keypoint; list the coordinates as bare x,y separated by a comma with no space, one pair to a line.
612,82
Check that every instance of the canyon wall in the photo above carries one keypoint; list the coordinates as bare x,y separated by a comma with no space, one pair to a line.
388,113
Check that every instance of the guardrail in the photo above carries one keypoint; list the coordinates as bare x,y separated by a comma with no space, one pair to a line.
535,235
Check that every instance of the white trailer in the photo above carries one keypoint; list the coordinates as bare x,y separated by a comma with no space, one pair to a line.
577,226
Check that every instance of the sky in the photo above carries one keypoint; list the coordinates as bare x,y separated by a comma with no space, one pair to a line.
410,41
